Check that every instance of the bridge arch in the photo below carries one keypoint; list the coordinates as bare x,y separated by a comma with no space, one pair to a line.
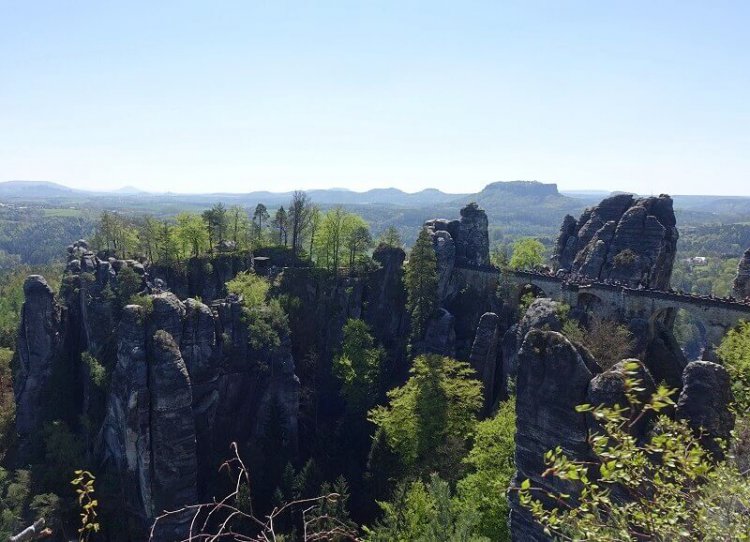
530,289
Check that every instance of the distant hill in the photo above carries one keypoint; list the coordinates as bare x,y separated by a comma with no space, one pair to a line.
34,189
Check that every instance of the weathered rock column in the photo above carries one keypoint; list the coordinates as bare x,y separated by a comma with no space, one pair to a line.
741,288
552,380
39,337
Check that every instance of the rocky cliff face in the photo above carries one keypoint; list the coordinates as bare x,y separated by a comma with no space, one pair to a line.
741,288
39,340
554,376
623,239
186,381
552,380
462,244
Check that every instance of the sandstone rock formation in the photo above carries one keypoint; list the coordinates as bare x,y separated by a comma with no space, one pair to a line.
608,389
704,402
186,381
543,313
484,356
440,336
464,242
623,239
554,377
741,289
39,340
552,380
473,248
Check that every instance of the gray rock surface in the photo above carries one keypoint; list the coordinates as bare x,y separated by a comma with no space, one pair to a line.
622,239
125,442
741,287
473,247
704,402
173,440
484,356
552,380
608,389
440,336
543,313
39,341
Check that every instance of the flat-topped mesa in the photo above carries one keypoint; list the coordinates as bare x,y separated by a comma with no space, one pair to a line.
623,239
741,289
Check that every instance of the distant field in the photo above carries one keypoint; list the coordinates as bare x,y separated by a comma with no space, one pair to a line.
63,213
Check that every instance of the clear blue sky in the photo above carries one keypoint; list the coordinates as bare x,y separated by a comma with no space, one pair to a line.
649,96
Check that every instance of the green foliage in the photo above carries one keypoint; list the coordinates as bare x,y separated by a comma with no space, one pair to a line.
391,237
266,324
216,222
129,283
666,488
491,460
97,372
251,287
526,300
358,367
116,234
84,486
339,230
190,234
528,253
425,417
734,351
7,402
422,512
421,282
714,278
14,500
330,514
608,341
146,302
500,255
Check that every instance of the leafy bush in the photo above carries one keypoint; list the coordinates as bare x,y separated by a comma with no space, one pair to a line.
734,351
491,460
666,488
97,372
528,253
252,288
266,324
625,258
424,512
608,341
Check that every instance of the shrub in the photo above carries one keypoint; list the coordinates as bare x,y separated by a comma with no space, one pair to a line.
664,488
252,288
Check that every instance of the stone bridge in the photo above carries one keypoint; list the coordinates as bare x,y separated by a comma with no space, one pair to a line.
713,316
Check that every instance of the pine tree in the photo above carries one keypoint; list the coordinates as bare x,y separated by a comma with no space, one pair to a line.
421,285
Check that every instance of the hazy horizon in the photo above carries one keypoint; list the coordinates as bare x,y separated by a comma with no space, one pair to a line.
244,96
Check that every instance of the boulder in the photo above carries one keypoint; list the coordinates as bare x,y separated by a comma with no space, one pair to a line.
705,403
608,389
543,313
